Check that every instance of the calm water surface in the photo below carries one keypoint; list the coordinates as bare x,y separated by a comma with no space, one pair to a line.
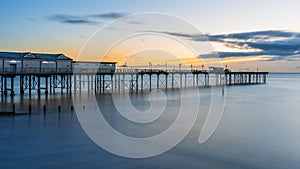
260,128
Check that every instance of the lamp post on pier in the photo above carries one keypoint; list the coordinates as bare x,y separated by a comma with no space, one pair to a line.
166,65
179,67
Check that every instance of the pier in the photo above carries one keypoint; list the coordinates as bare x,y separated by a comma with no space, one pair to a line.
36,73
121,80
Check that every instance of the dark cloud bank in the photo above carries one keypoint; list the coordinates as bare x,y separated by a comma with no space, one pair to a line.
272,44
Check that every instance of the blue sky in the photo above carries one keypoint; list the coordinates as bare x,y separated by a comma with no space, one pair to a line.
63,26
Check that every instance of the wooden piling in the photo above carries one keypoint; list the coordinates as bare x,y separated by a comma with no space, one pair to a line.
29,109
44,109
14,109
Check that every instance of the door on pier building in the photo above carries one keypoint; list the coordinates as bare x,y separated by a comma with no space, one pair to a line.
12,68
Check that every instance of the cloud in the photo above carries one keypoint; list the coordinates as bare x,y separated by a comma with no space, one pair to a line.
257,35
279,45
71,19
110,15
195,37
85,19
271,44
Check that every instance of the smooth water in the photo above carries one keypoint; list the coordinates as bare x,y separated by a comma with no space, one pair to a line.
260,128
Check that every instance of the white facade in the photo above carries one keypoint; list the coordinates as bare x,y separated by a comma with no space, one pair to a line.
64,65
35,66
31,65
12,65
48,66
12,62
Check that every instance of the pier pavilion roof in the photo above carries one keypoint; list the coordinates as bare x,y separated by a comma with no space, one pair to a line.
29,55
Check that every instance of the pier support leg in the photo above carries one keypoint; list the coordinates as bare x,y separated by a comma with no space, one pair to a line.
142,82
166,81
180,80
119,83
172,81
207,84
123,83
29,87
88,80
39,86
150,80
103,83
137,83
157,82
185,80
68,84
46,89
50,78
12,84
5,86
1,89
249,78
193,80
62,83
80,83
112,82
22,85
74,82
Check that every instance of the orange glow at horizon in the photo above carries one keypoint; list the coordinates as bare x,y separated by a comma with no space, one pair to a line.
242,59
140,50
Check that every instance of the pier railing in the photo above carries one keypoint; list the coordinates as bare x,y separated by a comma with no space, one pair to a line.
157,70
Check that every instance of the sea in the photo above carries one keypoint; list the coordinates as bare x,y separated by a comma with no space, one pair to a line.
259,128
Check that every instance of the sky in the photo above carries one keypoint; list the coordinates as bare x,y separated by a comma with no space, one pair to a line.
246,35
